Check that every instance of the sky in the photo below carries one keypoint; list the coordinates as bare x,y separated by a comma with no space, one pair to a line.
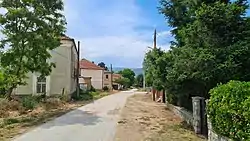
116,32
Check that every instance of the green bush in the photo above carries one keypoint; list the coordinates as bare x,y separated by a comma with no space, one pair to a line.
92,89
228,110
105,88
29,102
82,96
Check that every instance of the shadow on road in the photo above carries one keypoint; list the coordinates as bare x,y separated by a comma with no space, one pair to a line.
76,117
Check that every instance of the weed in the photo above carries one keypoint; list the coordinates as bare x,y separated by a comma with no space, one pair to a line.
29,102
9,121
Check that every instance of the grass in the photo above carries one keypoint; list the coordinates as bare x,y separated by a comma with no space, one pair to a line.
14,124
176,132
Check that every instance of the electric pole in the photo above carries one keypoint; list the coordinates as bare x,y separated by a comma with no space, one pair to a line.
154,97
154,40
111,69
78,71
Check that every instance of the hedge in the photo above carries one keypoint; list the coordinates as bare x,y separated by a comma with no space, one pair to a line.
229,110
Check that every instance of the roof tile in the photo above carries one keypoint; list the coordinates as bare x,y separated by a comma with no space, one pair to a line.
85,64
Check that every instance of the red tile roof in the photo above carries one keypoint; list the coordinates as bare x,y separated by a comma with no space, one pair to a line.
85,64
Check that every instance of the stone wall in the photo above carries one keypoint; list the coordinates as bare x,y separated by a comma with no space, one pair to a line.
194,120
183,113
212,136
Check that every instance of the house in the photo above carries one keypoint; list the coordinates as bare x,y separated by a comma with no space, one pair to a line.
93,71
62,78
108,76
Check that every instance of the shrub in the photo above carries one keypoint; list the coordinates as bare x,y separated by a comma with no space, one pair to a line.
92,89
83,96
29,102
105,88
9,121
228,110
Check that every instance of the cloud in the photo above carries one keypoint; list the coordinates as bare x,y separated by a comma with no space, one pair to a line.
110,30
165,34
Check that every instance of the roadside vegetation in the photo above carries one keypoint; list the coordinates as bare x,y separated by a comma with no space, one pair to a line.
22,113
128,78
211,47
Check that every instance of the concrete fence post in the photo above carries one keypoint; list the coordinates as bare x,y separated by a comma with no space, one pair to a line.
199,115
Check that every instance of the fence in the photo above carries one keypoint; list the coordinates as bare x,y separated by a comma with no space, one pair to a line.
198,119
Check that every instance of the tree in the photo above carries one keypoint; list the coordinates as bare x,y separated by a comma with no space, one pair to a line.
139,80
103,65
31,29
129,74
125,82
211,47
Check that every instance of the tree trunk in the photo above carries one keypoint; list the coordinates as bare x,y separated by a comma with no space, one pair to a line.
9,93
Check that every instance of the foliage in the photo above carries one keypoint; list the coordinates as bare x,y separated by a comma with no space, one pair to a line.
139,80
105,88
228,110
92,89
84,95
125,82
128,77
103,65
29,102
31,29
211,46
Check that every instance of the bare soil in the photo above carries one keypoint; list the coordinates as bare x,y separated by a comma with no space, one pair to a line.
145,120
16,123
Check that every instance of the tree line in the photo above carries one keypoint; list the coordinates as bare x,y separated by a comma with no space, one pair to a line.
211,46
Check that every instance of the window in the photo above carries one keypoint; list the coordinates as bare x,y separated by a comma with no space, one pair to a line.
41,84
107,76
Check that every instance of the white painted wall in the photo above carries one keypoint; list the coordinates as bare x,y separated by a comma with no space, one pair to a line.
96,77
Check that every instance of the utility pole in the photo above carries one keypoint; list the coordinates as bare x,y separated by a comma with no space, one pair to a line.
144,79
154,97
78,71
154,40
111,69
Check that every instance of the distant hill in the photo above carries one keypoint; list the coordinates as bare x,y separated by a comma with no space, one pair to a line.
136,70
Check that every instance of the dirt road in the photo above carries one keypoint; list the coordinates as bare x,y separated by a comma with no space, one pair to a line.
144,120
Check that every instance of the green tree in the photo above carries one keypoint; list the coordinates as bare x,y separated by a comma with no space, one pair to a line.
129,74
103,65
125,82
139,80
31,28
211,47
155,68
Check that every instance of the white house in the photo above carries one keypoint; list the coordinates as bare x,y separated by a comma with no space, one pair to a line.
62,78
91,70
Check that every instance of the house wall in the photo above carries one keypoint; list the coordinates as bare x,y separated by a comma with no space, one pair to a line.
96,77
74,60
107,81
26,89
86,81
61,76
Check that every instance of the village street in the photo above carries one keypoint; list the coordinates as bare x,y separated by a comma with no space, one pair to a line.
93,122
113,119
